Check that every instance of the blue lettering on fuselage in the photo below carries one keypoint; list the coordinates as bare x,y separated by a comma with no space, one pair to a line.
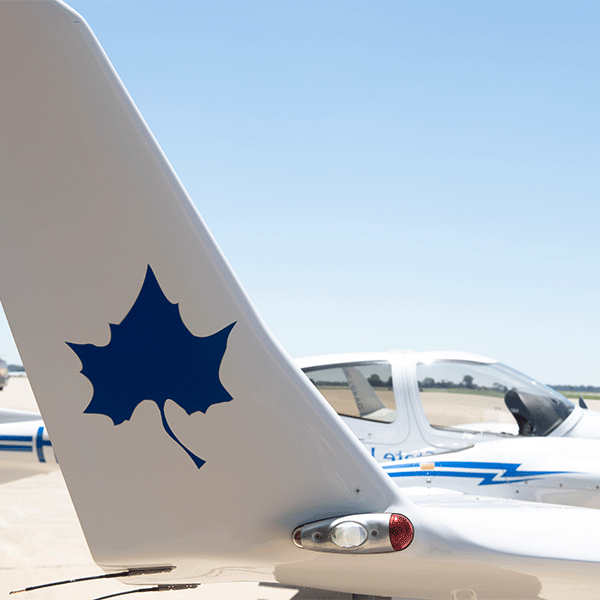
391,456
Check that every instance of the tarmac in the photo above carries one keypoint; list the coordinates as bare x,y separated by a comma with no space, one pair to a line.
41,541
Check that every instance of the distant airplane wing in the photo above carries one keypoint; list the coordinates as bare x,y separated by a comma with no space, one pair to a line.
189,441
25,449
10,415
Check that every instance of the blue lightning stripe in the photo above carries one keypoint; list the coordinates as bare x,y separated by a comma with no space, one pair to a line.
511,471
486,478
407,466
15,447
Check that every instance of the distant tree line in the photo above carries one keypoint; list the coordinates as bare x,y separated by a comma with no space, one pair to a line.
575,388
427,383
374,380
377,382
466,384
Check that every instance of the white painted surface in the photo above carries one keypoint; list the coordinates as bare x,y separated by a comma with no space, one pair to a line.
41,540
90,202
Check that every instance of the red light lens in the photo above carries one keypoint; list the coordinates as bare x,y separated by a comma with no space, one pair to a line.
297,537
401,532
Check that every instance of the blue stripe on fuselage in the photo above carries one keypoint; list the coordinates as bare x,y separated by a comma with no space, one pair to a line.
511,472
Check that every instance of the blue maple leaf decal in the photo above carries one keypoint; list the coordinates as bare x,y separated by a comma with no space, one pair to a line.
152,355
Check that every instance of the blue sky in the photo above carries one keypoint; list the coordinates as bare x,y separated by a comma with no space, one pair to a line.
386,175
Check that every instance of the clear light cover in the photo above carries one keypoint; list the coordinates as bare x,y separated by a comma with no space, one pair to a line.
349,535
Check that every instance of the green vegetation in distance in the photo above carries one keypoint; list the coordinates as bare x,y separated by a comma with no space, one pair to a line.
577,395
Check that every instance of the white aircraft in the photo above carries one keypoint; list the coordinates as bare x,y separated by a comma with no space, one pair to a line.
25,448
3,374
231,466
405,404
440,421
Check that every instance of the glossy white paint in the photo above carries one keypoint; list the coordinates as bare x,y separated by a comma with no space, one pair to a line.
89,201
547,470
550,469
585,424
411,435
25,448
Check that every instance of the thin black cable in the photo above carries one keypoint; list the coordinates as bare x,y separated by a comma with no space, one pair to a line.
128,573
157,588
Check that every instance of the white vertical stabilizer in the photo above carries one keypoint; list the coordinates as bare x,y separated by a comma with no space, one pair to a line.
186,436
152,392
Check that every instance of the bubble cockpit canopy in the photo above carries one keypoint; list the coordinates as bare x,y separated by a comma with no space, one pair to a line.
488,397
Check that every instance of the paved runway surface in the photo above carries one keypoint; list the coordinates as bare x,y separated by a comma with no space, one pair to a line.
41,541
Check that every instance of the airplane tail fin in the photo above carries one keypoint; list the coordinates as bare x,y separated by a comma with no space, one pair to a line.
192,447
181,426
